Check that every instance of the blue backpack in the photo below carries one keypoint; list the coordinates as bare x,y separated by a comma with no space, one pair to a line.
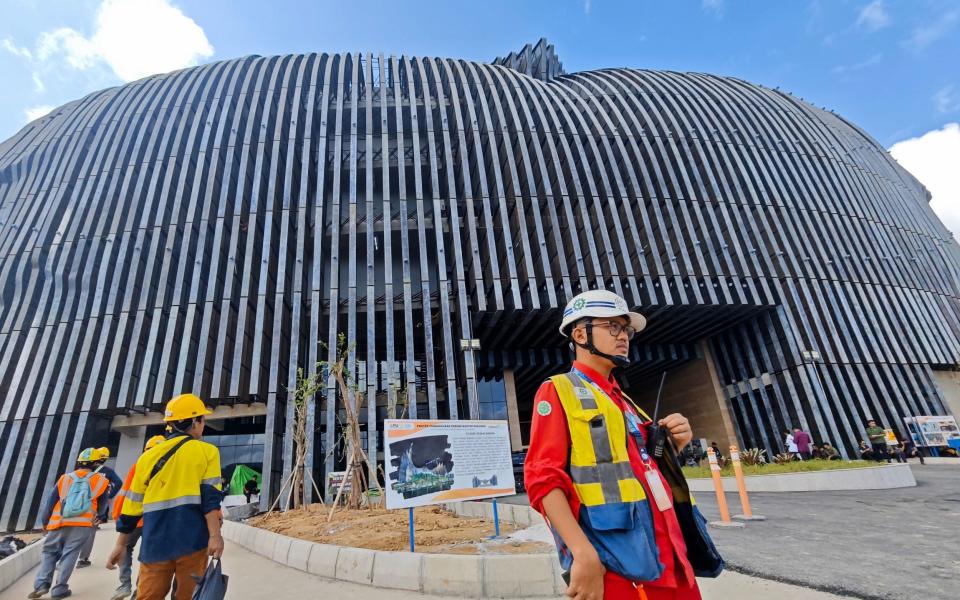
79,498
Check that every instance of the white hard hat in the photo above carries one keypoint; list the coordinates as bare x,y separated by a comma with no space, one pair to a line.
599,303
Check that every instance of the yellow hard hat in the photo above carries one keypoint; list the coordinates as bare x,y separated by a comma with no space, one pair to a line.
154,441
185,406
104,452
89,455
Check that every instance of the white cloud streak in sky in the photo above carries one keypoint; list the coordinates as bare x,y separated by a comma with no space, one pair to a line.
947,100
932,158
134,38
36,112
873,16
923,36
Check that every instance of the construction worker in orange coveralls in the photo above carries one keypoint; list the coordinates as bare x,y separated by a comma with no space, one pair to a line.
591,478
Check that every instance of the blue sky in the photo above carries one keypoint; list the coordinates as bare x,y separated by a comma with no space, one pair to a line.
891,67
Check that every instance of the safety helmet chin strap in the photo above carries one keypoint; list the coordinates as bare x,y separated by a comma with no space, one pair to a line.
618,361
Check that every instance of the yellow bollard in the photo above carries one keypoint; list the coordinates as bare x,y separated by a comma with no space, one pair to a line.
721,498
742,489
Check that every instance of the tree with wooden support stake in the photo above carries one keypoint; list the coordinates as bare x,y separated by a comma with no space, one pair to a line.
303,394
357,459
294,484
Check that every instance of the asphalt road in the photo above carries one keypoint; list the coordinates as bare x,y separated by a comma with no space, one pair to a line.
882,544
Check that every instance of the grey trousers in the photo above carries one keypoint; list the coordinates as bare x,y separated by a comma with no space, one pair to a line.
61,548
87,549
126,561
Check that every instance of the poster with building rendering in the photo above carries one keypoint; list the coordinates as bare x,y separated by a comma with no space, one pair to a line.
432,462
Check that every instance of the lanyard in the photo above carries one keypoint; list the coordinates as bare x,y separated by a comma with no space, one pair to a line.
634,425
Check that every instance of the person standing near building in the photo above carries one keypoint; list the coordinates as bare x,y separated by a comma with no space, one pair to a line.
804,443
126,562
878,441
588,472
176,491
790,444
115,484
73,506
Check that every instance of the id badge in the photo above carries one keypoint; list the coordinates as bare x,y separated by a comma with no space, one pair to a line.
659,493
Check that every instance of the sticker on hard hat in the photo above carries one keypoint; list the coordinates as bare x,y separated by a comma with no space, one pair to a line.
544,408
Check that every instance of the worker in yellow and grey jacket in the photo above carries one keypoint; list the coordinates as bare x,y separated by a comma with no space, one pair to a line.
126,563
176,491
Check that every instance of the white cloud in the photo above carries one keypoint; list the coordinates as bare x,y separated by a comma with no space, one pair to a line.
921,37
946,99
16,50
134,38
873,16
932,158
36,112
78,50
712,5
873,60
38,85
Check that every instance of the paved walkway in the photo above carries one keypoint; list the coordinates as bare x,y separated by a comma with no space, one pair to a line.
877,544
255,578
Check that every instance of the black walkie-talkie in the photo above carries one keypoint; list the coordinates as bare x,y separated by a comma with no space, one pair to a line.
656,435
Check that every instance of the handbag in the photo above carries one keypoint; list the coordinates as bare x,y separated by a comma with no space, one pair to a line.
213,584
701,551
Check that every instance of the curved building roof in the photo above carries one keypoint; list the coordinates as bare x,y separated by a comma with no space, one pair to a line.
204,229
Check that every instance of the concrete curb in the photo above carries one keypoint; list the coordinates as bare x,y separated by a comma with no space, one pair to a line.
17,565
883,477
520,515
465,576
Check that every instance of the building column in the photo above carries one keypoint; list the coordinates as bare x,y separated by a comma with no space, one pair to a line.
513,414
132,440
723,403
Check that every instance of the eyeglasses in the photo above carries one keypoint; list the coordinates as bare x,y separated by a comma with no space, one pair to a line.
616,328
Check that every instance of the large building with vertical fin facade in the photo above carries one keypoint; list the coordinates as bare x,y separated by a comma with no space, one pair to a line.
218,228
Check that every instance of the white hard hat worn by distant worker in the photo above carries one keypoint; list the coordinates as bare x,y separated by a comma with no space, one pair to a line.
599,304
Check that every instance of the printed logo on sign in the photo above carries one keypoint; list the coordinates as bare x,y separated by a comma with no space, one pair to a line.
544,408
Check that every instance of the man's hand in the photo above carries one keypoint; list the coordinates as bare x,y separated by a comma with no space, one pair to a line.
215,545
115,555
679,428
586,576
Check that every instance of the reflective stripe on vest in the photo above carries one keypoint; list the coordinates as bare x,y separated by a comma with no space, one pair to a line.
599,462
98,486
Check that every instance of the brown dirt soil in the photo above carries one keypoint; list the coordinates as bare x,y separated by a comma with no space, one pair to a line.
26,536
437,531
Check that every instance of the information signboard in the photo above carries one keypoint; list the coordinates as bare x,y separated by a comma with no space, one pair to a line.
432,462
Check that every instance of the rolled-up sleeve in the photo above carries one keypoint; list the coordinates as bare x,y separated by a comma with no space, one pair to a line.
545,468
132,509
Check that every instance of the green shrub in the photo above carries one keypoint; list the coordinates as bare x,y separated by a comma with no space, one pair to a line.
791,467
753,456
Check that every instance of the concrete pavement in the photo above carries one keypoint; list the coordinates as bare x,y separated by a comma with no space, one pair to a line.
876,544
253,577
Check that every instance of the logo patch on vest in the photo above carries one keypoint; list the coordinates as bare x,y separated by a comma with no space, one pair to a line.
582,392
544,408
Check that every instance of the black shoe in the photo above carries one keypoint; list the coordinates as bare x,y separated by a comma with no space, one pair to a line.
38,593
83,562
66,594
